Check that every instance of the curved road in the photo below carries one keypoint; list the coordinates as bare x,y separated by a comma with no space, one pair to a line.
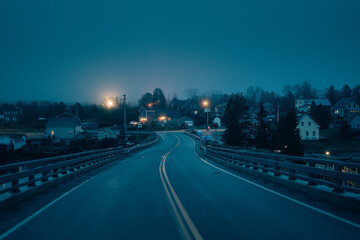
169,192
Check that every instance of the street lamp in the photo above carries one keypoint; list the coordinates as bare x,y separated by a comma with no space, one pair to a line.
124,113
207,110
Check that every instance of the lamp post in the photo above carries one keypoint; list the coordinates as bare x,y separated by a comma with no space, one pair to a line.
124,113
207,110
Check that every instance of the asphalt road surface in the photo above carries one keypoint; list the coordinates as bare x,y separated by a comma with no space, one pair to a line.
169,192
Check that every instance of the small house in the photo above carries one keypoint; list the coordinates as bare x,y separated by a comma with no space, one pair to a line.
13,141
146,115
345,108
309,129
355,122
107,134
64,126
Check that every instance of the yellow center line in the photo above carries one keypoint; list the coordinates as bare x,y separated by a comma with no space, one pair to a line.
184,213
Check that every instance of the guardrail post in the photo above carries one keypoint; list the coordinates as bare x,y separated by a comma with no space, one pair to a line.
44,175
32,178
15,182
311,175
276,168
291,171
338,181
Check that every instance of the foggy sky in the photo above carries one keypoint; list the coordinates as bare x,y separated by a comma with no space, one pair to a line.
86,50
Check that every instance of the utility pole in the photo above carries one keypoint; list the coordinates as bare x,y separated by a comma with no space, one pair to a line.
124,101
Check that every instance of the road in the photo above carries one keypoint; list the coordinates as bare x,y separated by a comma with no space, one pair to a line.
169,192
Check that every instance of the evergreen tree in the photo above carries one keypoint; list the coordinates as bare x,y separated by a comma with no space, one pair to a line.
145,99
158,98
291,135
262,132
345,91
234,120
332,95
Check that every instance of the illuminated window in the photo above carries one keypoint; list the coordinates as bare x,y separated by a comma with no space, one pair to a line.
52,132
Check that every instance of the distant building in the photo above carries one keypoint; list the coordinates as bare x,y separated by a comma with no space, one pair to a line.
303,105
13,141
309,129
64,126
107,133
146,114
11,114
355,122
345,108
186,107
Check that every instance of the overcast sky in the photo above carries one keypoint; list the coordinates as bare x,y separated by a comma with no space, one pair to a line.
86,50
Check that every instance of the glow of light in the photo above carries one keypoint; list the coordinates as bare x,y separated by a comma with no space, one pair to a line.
109,103
143,119
205,103
327,153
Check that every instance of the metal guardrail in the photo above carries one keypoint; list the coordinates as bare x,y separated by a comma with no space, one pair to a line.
341,176
15,176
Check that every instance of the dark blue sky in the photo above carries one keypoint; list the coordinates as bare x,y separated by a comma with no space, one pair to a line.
85,50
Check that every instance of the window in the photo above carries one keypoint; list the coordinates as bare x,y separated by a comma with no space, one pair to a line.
106,136
307,133
14,119
70,133
302,124
314,134
52,132
309,124
358,125
354,105
349,105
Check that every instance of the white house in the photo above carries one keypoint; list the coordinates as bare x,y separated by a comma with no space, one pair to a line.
107,133
309,129
303,105
65,126
355,122
16,141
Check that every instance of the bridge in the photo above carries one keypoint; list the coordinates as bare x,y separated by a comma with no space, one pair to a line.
182,189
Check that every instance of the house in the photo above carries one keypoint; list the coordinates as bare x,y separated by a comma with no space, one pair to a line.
187,107
309,129
107,133
13,141
355,122
146,114
185,122
303,105
12,114
64,126
345,108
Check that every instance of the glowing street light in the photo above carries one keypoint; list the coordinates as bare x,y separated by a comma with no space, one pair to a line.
110,103
207,110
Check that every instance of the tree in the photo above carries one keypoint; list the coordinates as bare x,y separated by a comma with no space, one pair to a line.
345,91
356,94
321,115
158,98
234,120
332,95
262,132
291,135
145,99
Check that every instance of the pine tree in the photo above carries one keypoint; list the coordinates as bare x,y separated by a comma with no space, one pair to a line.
235,121
262,132
291,135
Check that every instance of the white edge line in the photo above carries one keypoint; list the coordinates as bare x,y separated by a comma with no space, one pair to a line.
288,198
17,226
20,224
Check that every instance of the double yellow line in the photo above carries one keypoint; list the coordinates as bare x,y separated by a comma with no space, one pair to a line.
176,205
